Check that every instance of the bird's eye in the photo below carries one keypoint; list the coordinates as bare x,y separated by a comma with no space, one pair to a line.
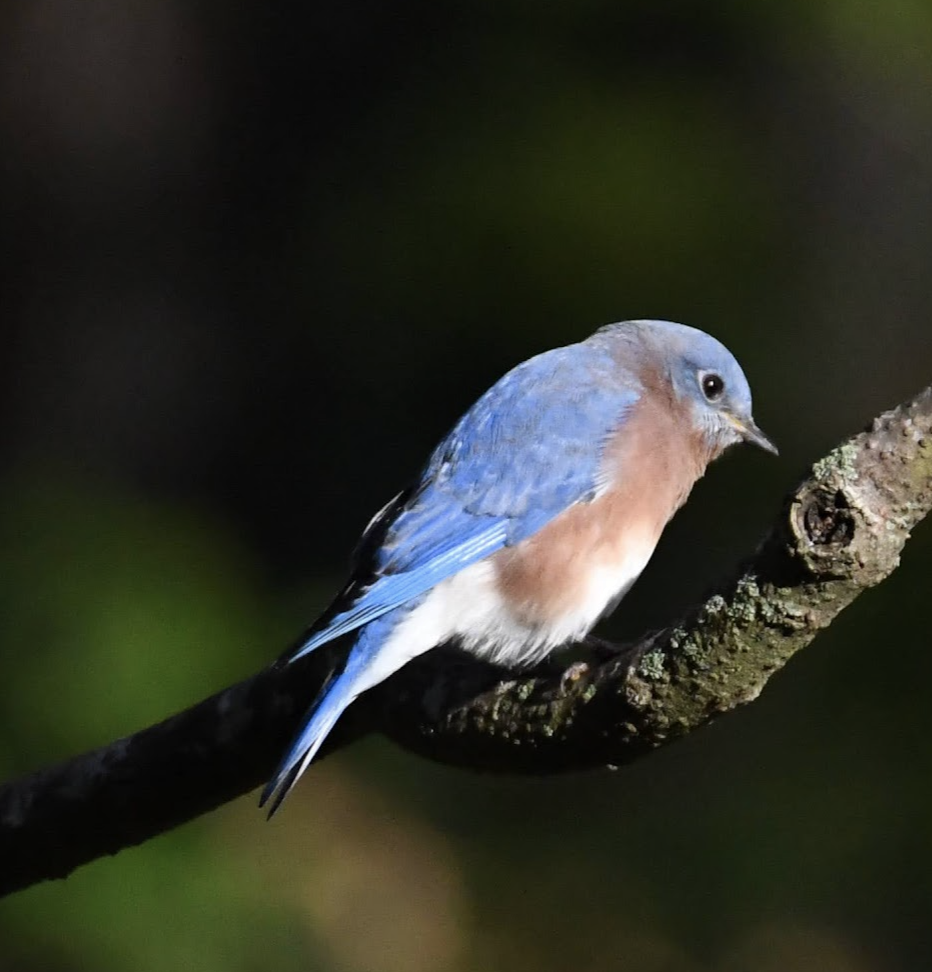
712,386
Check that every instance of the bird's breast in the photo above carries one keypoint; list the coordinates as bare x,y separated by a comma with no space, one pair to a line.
560,581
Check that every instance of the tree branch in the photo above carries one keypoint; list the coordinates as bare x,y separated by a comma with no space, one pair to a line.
838,533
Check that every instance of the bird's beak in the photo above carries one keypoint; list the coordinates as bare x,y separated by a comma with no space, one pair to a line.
751,433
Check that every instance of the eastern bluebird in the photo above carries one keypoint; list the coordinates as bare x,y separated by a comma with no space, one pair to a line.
534,516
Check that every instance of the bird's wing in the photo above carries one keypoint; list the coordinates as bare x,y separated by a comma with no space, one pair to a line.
528,449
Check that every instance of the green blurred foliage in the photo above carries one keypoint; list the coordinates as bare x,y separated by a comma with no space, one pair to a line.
198,427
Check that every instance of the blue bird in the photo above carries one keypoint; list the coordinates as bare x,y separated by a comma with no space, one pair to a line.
537,512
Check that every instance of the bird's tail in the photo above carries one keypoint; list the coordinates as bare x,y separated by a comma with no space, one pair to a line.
367,665
321,717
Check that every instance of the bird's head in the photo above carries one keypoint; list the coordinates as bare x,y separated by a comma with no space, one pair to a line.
705,376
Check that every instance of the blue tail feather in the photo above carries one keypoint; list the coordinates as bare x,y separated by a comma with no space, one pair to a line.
332,700
329,705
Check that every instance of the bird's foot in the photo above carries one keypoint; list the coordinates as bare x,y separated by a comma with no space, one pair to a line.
573,673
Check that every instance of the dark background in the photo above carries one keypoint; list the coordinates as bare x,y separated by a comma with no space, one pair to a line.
257,257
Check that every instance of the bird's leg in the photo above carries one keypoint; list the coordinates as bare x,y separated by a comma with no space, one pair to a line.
603,650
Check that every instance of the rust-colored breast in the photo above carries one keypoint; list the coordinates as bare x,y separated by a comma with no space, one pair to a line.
590,554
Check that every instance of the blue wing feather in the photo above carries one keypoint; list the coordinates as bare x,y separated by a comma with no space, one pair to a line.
529,448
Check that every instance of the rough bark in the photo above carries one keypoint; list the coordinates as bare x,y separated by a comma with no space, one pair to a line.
838,533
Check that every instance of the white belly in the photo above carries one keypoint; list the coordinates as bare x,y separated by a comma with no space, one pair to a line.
471,609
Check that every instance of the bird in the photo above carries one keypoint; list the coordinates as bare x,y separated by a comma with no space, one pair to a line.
534,516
